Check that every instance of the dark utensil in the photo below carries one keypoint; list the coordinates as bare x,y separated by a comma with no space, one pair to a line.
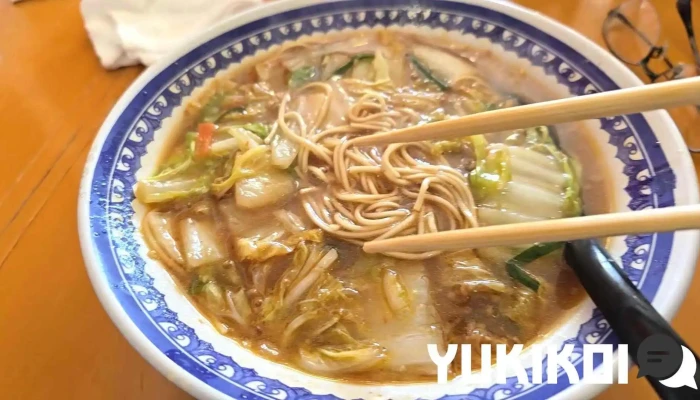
629,314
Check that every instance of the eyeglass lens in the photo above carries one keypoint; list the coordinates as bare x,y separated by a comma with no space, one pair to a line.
632,30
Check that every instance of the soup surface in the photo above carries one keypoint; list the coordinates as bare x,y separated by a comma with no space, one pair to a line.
261,204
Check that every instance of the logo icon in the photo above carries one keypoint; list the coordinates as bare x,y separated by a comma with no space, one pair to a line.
663,358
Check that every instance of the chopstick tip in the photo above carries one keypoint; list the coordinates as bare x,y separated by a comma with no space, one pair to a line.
366,140
370,247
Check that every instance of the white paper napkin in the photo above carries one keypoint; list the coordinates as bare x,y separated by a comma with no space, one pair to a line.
128,32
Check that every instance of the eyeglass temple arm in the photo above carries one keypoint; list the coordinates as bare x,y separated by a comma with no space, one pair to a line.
685,11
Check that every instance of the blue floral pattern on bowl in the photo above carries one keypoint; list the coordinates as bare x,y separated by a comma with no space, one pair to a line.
651,180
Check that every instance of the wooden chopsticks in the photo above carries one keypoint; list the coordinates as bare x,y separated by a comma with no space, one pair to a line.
558,230
623,101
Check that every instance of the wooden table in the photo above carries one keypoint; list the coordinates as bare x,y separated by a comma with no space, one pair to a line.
56,342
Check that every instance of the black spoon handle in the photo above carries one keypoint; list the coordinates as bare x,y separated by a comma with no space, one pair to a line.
629,314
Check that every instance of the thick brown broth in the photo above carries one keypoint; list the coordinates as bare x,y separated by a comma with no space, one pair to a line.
270,252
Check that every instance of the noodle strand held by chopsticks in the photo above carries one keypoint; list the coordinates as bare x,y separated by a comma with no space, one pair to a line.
366,194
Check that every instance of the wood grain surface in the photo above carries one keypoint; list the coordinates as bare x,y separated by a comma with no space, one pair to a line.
56,342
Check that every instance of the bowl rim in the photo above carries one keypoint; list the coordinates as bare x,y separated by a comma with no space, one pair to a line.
612,67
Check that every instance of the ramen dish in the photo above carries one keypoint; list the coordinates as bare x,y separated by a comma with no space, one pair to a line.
260,204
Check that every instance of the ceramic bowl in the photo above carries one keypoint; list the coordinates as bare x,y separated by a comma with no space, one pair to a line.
644,155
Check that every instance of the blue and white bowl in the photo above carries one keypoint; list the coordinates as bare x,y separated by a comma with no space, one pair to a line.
644,156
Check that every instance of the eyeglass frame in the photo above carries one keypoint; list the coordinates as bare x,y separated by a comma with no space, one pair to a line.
657,52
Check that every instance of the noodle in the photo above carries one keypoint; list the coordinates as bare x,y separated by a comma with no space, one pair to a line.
355,204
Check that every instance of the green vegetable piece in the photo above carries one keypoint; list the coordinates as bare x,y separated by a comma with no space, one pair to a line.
230,113
572,193
212,110
540,139
428,74
180,161
346,67
446,146
538,135
257,128
253,162
176,164
302,75
216,108
197,285
515,269
492,172
190,138
523,277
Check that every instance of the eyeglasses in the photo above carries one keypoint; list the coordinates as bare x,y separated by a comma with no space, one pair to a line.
632,33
